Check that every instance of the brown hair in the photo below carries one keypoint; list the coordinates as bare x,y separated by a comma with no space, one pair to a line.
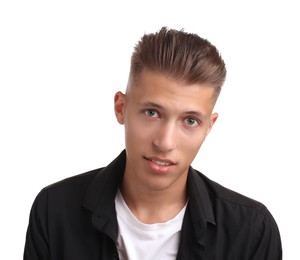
180,55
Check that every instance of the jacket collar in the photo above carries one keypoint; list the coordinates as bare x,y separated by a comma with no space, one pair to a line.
198,217
100,196
199,199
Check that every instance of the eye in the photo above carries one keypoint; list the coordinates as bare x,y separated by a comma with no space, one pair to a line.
192,121
151,113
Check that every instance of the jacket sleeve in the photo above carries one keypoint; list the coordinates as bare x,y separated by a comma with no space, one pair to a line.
267,242
36,244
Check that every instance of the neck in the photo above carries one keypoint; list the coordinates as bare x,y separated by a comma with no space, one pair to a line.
153,205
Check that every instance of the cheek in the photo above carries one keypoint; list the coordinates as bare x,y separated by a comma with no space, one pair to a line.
137,132
191,143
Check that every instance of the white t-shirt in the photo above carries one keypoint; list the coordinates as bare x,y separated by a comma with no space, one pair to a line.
139,241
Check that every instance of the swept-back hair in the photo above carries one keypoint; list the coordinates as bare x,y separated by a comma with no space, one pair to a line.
183,56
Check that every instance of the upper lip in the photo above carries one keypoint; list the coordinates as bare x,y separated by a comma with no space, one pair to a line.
157,159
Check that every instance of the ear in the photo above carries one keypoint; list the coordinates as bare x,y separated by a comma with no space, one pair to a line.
119,105
212,120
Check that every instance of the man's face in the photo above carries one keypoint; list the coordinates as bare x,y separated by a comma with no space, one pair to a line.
165,123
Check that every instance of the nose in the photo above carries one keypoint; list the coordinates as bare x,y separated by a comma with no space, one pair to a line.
165,138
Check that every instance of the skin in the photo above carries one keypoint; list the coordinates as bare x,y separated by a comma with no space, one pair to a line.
165,124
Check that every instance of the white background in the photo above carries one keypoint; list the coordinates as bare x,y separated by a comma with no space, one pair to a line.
62,61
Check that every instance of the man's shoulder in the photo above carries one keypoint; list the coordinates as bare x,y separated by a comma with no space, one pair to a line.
224,196
64,193
75,182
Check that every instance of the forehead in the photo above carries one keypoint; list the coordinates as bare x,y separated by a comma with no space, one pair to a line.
157,88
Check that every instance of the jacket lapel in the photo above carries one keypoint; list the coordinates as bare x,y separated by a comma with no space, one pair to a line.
198,216
100,196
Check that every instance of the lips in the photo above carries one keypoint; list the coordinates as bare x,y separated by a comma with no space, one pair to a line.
159,165
159,161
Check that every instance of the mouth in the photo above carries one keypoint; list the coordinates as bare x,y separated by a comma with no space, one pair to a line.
160,163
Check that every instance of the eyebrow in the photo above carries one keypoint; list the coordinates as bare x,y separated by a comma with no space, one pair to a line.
195,114
187,113
151,104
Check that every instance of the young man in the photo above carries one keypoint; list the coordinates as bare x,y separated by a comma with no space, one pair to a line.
149,203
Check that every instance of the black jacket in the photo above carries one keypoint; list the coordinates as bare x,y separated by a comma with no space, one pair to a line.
75,219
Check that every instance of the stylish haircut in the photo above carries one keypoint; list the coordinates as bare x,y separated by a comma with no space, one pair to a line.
183,56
